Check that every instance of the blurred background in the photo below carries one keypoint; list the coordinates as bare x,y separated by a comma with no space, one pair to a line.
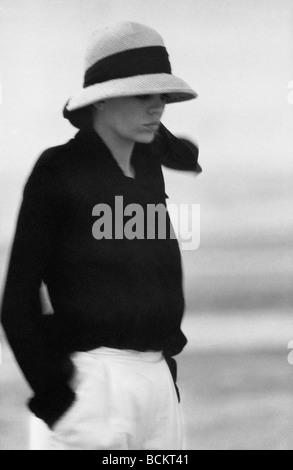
235,376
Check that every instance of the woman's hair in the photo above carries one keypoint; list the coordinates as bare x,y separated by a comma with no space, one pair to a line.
81,118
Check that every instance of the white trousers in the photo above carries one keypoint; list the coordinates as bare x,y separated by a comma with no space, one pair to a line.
126,400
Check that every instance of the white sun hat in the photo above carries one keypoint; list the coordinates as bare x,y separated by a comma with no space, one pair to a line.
127,59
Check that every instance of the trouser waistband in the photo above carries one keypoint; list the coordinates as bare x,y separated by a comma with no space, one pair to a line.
125,354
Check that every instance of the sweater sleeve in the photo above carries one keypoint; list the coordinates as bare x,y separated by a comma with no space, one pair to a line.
47,371
176,153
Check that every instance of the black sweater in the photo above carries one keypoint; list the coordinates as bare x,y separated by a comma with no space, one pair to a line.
125,294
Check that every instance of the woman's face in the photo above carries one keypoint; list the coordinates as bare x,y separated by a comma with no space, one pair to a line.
134,119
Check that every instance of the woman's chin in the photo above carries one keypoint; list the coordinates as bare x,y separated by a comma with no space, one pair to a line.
146,138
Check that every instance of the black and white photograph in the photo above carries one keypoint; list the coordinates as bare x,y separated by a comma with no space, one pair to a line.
146,229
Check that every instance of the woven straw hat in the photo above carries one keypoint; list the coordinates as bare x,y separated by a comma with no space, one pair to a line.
127,59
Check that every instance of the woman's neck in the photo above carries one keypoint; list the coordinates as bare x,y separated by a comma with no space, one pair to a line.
120,148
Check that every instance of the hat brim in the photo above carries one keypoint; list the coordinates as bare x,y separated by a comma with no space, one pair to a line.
175,89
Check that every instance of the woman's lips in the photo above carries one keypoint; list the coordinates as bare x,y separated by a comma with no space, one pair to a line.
152,126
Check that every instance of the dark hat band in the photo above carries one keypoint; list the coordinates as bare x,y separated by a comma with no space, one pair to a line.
130,63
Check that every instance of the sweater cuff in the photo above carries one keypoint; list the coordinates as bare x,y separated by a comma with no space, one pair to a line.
172,364
51,406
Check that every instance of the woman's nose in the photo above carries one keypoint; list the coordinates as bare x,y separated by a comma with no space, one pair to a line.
157,104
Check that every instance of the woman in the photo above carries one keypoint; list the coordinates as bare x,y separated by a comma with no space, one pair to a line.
98,363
